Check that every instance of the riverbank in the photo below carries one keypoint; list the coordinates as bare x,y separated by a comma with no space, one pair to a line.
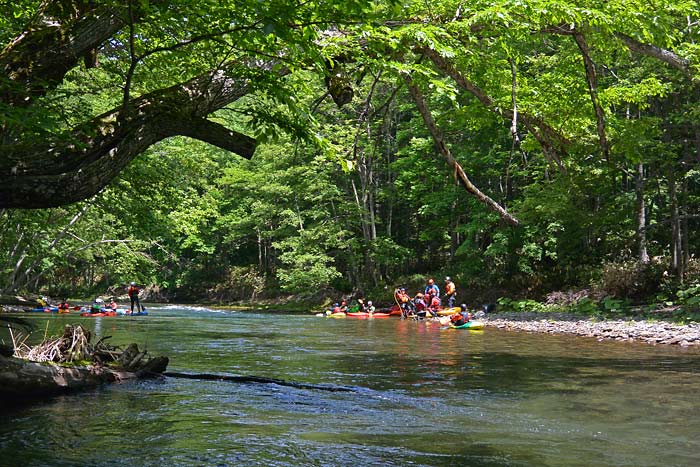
631,329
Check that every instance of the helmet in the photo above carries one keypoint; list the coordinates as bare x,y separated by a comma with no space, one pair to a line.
369,302
335,304
402,289
133,283
431,282
98,300
447,279
463,307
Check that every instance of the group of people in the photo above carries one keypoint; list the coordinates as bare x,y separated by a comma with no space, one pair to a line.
427,302
361,306
98,306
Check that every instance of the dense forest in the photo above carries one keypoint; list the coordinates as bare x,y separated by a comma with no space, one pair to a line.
247,150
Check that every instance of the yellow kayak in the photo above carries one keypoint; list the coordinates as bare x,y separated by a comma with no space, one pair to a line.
449,311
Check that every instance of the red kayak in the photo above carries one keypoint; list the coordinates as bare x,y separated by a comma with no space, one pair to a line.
97,315
395,311
362,314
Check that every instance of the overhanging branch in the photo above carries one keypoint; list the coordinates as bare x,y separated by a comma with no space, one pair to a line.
419,100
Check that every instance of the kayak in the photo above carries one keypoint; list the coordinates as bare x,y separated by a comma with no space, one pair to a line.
470,325
449,311
395,311
127,312
364,315
48,309
337,315
97,315
137,313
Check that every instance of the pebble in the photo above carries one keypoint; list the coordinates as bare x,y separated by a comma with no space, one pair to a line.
631,330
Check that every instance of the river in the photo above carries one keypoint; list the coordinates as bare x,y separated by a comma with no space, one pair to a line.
390,393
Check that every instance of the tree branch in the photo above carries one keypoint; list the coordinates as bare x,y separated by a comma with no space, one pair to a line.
217,135
658,53
55,172
419,100
592,80
32,72
553,143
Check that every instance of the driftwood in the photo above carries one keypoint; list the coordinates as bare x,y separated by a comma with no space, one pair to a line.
258,379
70,362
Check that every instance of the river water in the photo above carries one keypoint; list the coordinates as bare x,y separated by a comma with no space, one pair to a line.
389,393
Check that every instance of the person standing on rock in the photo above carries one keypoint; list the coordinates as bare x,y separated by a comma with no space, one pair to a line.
133,292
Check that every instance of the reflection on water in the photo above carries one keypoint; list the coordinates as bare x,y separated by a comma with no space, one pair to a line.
422,396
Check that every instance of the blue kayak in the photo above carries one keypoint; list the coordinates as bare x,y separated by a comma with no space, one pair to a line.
48,309
125,312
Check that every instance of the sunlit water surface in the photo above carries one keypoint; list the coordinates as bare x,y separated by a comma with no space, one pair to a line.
419,395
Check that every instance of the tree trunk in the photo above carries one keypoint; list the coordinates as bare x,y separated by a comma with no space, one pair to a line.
24,379
676,242
641,216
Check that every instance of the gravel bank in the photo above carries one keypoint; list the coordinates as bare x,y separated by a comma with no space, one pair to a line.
657,332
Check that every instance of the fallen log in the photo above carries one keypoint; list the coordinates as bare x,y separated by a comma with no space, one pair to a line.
24,379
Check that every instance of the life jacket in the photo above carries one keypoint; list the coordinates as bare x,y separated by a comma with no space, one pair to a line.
133,290
63,306
455,317
435,303
450,288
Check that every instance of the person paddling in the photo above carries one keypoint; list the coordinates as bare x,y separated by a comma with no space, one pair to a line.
96,306
461,318
64,306
133,292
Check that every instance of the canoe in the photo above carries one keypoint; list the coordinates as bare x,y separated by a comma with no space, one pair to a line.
97,315
363,315
470,325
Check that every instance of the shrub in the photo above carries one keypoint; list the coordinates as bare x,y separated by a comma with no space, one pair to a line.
631,279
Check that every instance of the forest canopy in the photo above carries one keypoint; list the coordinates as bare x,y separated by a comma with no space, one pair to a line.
233,150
